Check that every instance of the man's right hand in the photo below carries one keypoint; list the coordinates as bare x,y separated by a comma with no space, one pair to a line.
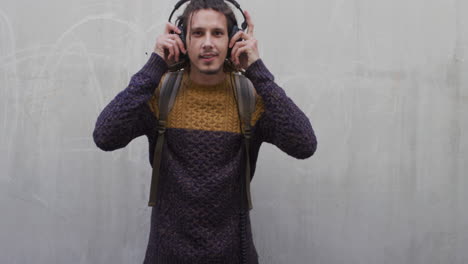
168,45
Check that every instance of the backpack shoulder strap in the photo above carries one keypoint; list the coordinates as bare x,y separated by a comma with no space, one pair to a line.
245,93
167,95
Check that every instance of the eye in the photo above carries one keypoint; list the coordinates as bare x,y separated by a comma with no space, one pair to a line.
196,33
219,33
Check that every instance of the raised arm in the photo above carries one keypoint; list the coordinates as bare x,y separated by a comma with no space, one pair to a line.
127,115
283,123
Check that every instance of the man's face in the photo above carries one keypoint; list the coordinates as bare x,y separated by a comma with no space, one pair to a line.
207,41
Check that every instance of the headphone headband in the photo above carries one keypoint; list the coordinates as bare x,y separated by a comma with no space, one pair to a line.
181,2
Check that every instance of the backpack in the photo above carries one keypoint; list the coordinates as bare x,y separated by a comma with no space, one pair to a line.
245,96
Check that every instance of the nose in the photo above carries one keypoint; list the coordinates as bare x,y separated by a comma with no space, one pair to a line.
207,41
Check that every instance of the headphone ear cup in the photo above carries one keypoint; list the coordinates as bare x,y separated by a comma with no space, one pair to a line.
182,37
234,30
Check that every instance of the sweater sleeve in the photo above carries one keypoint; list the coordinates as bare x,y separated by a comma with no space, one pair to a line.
283,123
126,116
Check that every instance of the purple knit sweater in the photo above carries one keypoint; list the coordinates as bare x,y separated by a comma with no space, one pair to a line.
196,219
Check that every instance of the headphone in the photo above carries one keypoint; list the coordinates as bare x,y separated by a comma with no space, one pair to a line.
234,28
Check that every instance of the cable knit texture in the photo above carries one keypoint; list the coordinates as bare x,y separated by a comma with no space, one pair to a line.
205,107
196,219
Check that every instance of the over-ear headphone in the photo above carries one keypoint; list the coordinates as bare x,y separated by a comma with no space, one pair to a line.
234,29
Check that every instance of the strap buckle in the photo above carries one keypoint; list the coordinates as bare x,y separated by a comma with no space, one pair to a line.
161,127
247,132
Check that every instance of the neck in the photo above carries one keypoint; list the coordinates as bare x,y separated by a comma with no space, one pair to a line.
206,79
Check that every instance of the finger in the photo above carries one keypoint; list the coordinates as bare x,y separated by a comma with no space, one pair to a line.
234,39
173,50
235,53
250,24
170,48
240,51
239,35
176,49
180,43
236,47
171,27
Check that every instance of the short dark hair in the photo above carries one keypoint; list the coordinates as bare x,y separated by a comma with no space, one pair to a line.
186,18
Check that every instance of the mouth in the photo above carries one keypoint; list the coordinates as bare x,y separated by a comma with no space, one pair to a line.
208,56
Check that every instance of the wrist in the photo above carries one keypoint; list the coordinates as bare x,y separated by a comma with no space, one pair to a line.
258,73
252,61
155,66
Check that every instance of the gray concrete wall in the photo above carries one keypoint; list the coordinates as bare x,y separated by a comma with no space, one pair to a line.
384,83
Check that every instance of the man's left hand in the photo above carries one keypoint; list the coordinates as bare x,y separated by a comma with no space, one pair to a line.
245,52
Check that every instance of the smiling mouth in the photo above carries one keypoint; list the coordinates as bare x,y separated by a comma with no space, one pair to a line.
208,57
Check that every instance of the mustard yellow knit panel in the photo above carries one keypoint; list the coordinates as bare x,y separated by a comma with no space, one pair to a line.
211,108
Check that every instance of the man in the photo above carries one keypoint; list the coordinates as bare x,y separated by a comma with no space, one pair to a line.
196,217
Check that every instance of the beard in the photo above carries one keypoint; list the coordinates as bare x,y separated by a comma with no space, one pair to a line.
210,72
205,68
